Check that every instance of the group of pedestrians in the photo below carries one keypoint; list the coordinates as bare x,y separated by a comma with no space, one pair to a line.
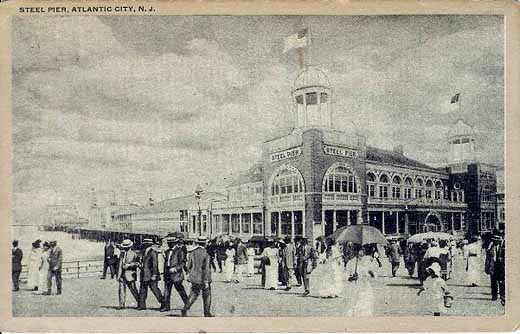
178,264
45,263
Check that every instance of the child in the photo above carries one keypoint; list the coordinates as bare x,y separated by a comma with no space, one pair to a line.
434,290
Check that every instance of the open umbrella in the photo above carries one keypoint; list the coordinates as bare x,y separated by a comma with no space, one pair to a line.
416,238
359,235
175,234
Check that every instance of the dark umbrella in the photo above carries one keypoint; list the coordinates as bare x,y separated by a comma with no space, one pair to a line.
175,234
359,234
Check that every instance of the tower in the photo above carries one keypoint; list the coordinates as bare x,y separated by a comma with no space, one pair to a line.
312,97
461,140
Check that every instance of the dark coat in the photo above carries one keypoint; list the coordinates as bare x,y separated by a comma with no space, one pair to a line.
17,260
150,266
55,259
495,266
199,270
307,258
175,258
109,254
241,254
393,252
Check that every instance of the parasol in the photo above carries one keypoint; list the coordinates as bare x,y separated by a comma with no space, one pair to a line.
175,234
416,238
359,234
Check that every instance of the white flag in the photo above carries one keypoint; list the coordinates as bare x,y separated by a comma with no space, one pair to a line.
296,41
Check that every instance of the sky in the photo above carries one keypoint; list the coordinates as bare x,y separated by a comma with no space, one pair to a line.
154,105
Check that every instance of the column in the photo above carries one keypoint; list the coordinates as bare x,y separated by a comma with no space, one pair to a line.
406,222
303,222
462,221
334,222
348,217
229,224
359,217
292,224
397,222
383,222
240,223
279,227
452,222
322,222
251,223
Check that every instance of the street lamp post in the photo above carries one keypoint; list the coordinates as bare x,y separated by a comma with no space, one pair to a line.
198,194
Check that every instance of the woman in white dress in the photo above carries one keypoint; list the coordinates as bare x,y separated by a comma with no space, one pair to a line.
360,291
43,268
34,267
330,276
472,263
229,264
270,256
250,260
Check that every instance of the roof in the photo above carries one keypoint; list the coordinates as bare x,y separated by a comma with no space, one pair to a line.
181,202
253,174
311,76
461,129
393,158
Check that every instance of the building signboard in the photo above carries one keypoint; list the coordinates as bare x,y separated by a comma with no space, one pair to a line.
287,154
339,151
459,168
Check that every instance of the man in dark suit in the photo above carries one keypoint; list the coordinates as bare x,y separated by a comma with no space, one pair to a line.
393,253
174,262
110,260
150,275
199,274
127,272
495,267
55,263
17,256
309,261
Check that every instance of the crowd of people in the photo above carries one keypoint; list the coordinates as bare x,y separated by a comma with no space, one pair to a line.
327,269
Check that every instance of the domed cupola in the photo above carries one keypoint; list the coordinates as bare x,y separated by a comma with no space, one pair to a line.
461,139
312,98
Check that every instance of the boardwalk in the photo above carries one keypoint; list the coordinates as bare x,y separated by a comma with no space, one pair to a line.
93,297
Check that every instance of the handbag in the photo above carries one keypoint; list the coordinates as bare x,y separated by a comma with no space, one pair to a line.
267,261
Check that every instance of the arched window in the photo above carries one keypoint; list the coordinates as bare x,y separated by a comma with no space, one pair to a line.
371,184
340,179
383,186
396,187
287,180
438,190
429,186
418,188
408,184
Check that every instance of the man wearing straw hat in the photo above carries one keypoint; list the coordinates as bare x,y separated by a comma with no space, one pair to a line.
199,274
174,262
495,267
150,275
127,272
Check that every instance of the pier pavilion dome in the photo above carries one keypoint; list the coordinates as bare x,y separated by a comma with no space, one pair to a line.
312,98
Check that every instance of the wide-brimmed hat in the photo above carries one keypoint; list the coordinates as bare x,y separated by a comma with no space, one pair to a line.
127,243
436,268
171,240
147,241
496,236
201,240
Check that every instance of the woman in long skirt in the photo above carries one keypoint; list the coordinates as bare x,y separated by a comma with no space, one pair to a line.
230,262
34,266
250,260
330,276
270,256
43,268
472,263
360,291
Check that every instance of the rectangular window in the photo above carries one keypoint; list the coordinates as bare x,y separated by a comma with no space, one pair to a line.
396,192
344,185
372,190
337,184
311,98
383,191
428,194
235,223
352,188
418,193
289,185
246,223
298,223
330,184
437,194
286,223
258,224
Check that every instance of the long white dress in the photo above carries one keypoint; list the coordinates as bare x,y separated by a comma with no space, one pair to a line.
271,270
34,268
360,292
330,276
472,264
250,261
230,263
44,270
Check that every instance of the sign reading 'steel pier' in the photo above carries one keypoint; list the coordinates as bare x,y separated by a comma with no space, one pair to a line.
290,153
340,151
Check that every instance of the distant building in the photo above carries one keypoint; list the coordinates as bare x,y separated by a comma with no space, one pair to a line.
63,216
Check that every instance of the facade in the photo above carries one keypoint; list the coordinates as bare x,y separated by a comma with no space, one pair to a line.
316,179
